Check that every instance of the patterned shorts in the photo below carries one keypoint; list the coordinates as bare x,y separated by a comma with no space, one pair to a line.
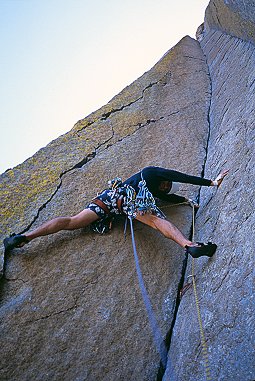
109,197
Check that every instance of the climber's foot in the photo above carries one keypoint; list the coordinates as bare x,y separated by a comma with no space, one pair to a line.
15,240
201,249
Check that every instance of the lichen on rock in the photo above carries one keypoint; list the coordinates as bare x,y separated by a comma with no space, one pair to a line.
71,308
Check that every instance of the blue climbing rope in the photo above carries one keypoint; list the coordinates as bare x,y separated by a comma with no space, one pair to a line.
158,339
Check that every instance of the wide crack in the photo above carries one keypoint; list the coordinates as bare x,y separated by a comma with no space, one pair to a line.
168,339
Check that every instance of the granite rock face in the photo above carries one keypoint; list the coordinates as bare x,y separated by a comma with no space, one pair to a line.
225,283
71,308
233,17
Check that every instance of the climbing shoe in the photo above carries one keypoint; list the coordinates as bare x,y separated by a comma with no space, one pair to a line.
15,240
201,250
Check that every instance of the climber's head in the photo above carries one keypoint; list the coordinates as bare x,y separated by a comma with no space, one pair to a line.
165,186
168,187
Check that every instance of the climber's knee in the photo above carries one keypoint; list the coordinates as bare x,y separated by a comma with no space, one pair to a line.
81,220
148,219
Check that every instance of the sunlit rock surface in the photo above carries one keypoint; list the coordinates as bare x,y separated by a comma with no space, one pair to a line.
71,308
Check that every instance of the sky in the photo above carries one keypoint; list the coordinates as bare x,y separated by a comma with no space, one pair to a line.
61,60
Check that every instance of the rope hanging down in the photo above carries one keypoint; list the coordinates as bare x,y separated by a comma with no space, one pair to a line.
158,339
143,202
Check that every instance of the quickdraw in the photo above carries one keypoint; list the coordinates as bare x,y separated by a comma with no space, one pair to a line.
142,202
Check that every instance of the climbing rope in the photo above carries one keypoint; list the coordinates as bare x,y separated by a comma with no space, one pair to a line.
202,335
158,339
159,342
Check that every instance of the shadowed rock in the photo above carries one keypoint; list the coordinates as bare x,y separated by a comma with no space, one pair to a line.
225,283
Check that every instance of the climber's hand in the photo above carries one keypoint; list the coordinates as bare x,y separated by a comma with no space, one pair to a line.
217,182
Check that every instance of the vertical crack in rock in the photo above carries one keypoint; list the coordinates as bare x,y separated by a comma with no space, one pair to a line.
169,334
209,131
168,338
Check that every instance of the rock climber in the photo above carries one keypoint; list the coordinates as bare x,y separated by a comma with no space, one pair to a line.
133,196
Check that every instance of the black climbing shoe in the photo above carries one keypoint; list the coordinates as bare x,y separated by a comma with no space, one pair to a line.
201,250
15,240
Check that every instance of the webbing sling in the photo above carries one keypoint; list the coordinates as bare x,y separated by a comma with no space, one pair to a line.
158,339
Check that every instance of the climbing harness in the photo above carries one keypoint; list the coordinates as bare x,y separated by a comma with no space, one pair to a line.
202,335
126,201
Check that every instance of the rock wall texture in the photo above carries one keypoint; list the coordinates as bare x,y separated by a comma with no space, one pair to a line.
71,308
234,17
226,282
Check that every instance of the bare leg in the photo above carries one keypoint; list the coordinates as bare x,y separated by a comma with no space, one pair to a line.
166,228
78,221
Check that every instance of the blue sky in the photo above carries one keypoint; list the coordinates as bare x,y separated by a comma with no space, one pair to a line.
62,59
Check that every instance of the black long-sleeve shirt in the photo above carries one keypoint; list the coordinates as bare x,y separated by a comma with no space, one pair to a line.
155,175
